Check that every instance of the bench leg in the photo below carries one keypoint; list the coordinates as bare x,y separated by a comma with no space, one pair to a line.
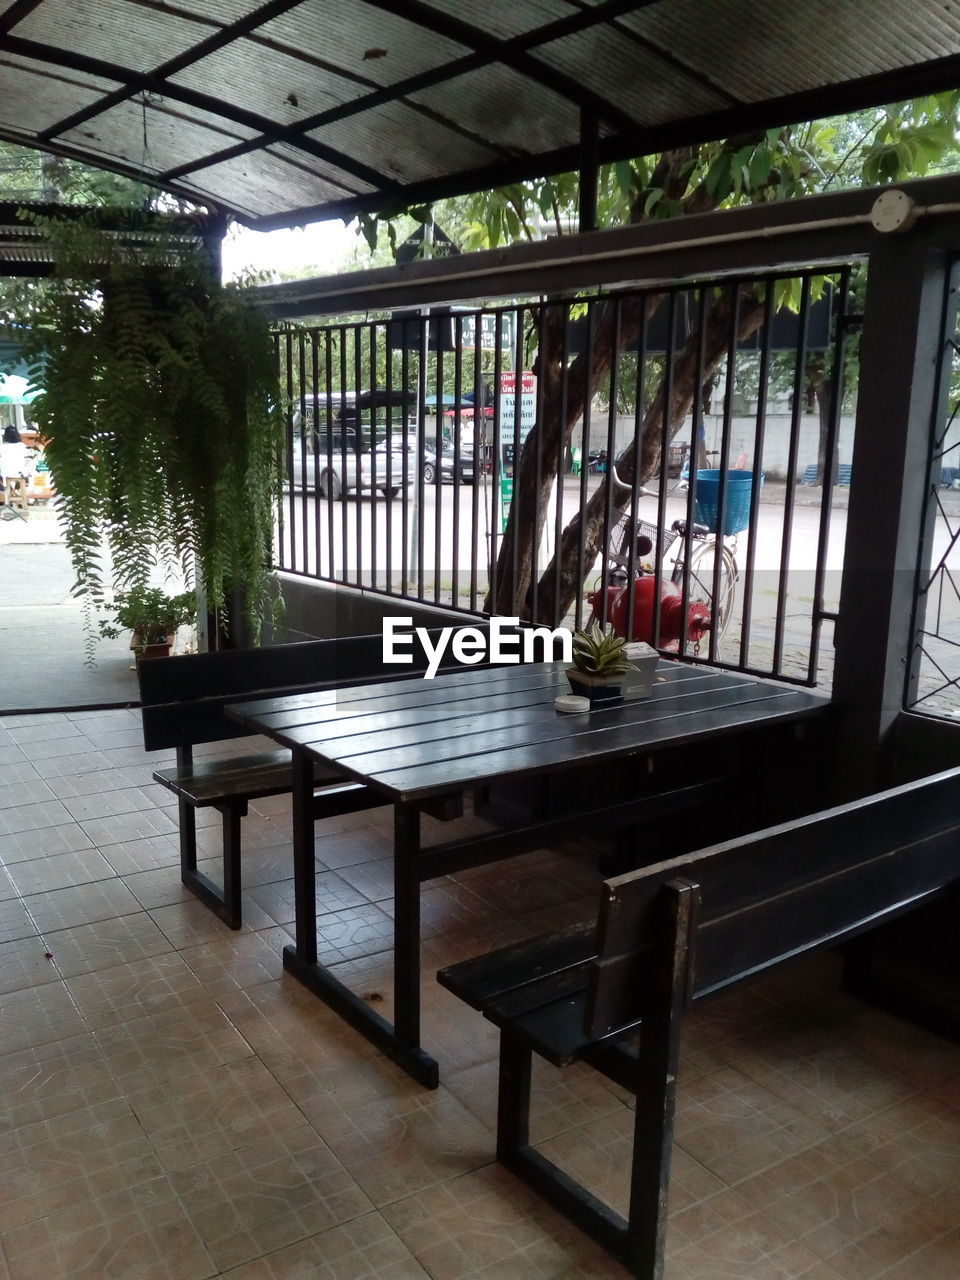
187,818
225,903
513,1101
232,814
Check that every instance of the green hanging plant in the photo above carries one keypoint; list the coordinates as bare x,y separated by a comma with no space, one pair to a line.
161,411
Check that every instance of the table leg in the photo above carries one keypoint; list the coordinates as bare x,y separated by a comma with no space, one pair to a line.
400,1042
304,861
406,923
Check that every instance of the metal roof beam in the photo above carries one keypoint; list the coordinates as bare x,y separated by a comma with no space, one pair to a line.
19,10
940,76
513,53
217,41
147,82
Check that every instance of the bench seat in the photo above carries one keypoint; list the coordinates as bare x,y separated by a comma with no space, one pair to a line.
183,703
613,993
246,777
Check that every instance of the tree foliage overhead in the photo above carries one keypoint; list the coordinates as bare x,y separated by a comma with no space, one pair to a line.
886,145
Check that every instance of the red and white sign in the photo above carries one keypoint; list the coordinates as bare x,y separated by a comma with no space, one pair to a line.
508,402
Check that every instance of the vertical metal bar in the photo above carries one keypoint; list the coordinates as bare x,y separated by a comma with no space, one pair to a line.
457,444
697,417
357,508
393,480
283,360
558,524
533,441
303,521
585,359
790,499
667,382
419,487
725,432
608,506
842,324
405,508
759,438
518,363
378,469
639,417
344,575
326,438
438,504
315,401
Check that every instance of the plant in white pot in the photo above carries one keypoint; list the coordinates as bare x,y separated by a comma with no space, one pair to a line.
599,664
153,616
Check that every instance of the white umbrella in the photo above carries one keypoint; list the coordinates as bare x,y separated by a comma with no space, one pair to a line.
17,390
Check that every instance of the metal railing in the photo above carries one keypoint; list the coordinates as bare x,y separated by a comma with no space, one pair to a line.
413,437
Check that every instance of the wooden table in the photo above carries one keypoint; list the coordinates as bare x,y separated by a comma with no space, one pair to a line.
423,743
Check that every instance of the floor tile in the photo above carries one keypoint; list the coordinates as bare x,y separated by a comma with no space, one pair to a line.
15,921
32,817
147,854
207,1115
54,1164
107,804
124,827
489,1224
395,1148
41,842
38,1015
366,1249
26,789
99,1239
24,964
101,900
52,1080
87,948
159,984
167,1047
263,1197
60,871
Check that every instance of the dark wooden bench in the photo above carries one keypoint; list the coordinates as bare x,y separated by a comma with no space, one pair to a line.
613,994
183,701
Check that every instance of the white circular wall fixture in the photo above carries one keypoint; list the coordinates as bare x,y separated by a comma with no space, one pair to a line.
893,211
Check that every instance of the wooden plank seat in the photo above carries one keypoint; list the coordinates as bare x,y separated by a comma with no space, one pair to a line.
183,704
613,994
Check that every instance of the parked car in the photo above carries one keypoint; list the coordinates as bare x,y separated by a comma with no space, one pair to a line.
448,463
334,462
390,455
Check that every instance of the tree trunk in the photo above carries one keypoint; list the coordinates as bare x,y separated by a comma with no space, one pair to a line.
556,592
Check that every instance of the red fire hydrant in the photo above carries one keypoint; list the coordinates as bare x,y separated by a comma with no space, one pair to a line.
645,591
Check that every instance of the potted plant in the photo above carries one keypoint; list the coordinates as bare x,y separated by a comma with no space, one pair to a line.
153,616
161,410
599,665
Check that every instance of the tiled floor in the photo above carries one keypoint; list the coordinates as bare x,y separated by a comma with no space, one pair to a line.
172,1107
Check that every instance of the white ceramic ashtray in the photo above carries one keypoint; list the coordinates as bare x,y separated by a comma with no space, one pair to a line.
570,703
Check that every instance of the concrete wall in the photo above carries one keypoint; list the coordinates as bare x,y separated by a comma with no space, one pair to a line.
742,434
319,611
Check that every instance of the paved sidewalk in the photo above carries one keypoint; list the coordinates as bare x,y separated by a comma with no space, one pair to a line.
42,657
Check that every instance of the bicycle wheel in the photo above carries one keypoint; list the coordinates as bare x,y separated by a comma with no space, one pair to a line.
702,563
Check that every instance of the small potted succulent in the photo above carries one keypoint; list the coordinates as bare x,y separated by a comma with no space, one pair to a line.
153,616
599,665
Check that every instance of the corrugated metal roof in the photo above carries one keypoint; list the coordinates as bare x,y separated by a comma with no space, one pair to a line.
286,110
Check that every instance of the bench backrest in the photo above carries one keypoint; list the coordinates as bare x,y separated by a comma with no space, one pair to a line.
182,699
759,900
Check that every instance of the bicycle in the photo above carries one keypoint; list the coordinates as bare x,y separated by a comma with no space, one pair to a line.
707,585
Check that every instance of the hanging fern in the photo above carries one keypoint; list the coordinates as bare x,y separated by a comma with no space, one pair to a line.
162,415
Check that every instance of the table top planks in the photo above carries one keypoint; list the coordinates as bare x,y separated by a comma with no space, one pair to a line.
413,738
